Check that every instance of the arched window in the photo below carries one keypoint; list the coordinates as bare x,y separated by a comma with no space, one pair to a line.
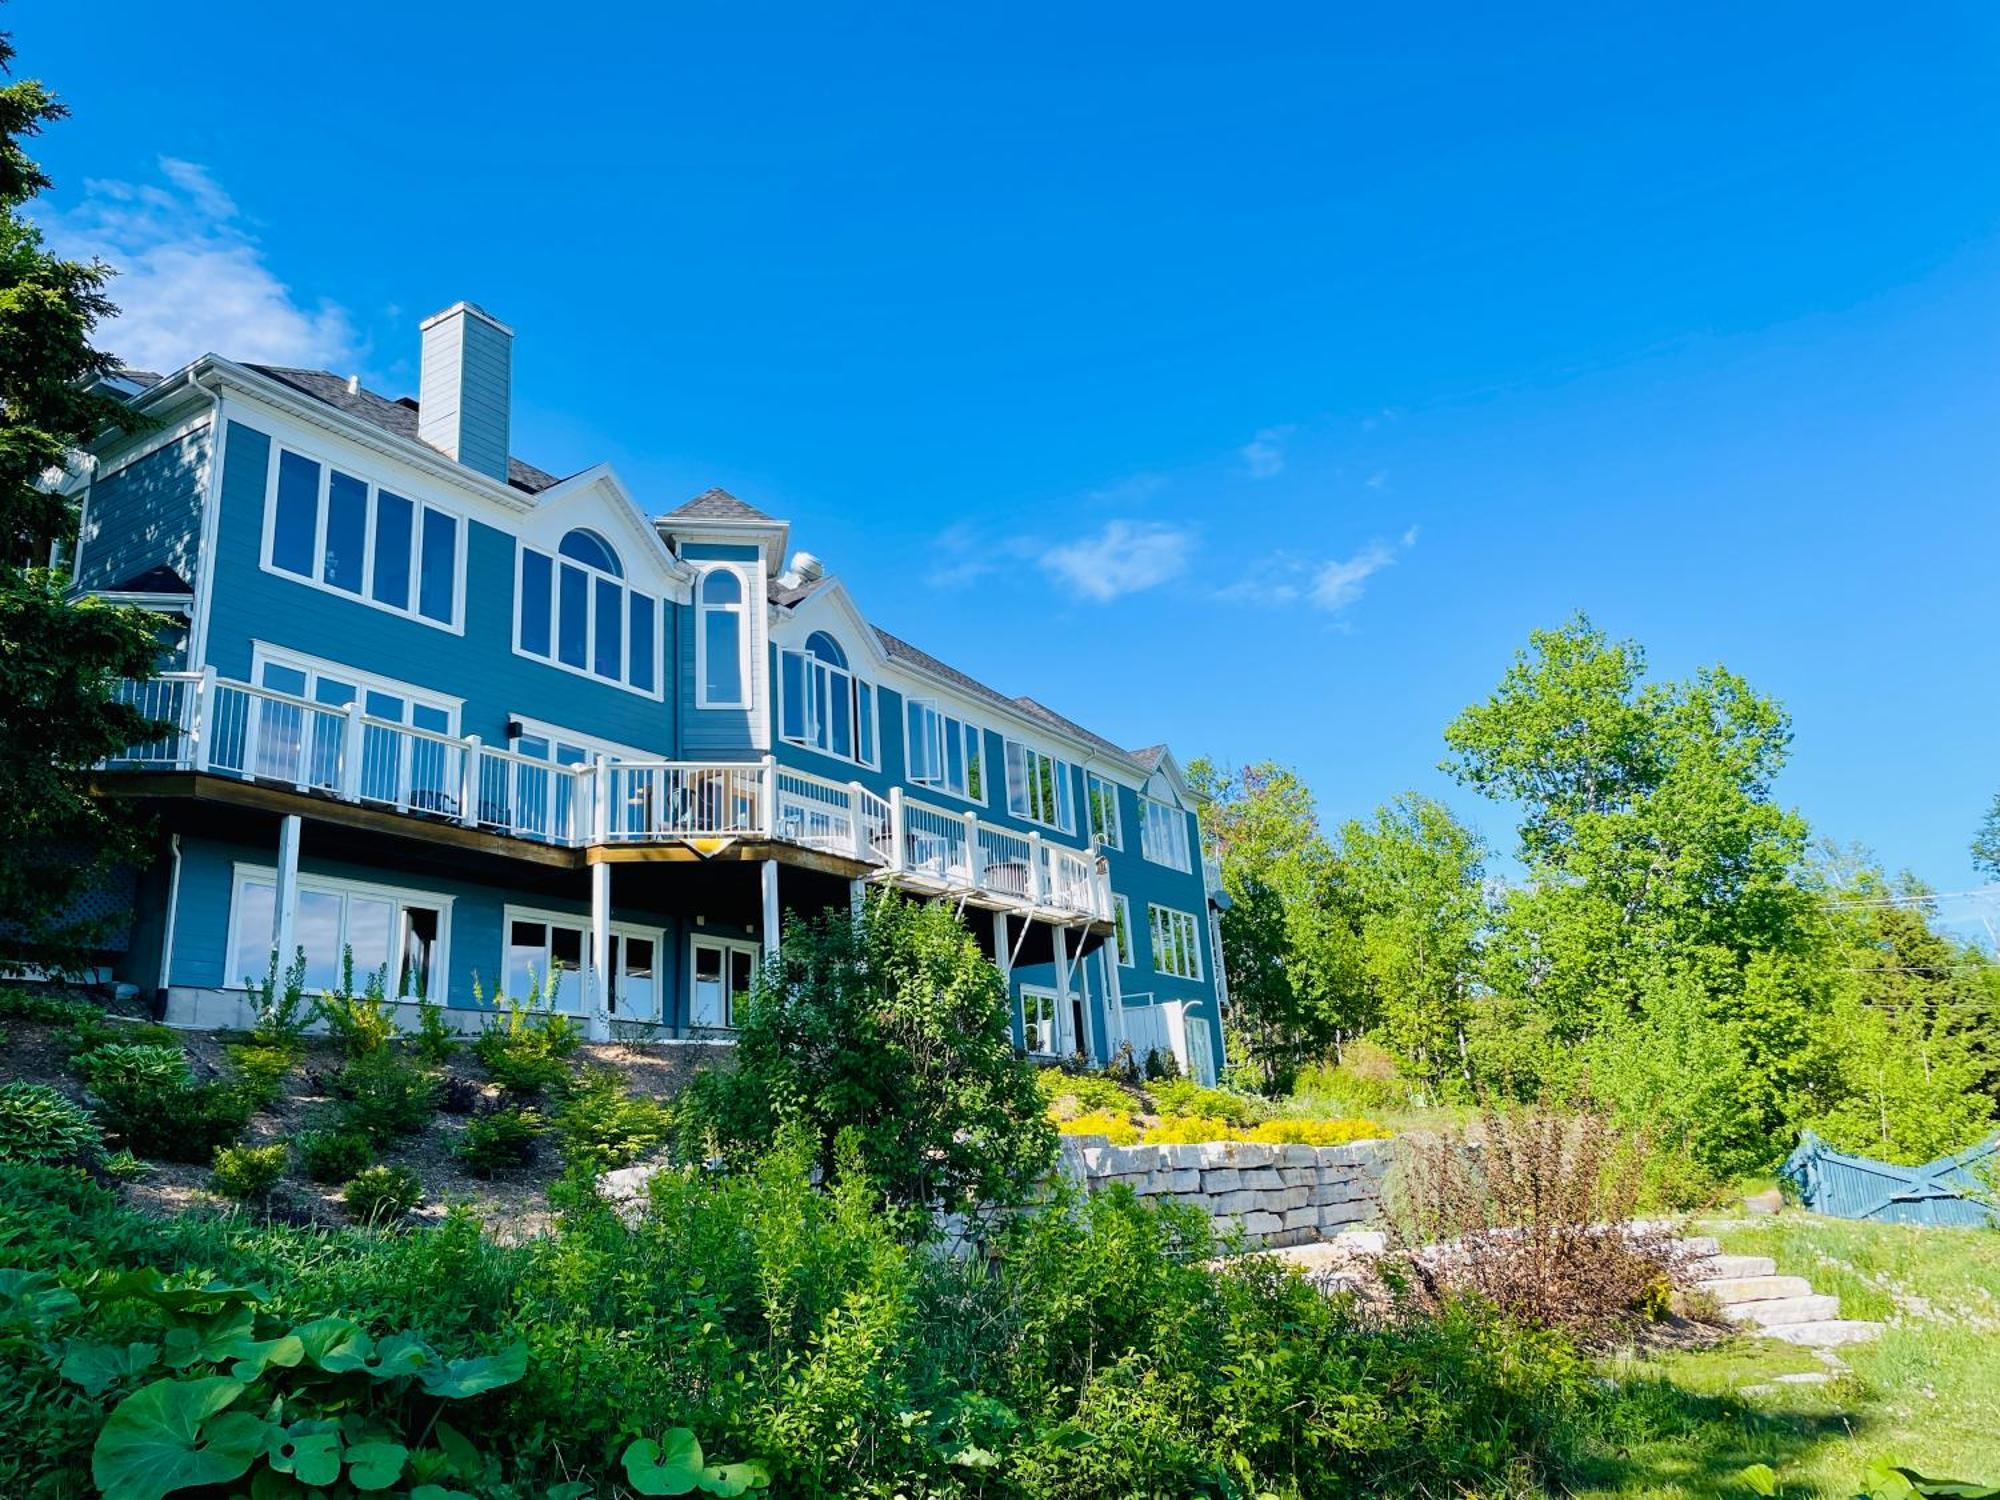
577,612
721,641
824,706
589,548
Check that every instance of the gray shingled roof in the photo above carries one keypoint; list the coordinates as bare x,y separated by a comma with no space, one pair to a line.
399,417
788,595
1150,757
718,505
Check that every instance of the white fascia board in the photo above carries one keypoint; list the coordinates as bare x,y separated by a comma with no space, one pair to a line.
831,598
770,537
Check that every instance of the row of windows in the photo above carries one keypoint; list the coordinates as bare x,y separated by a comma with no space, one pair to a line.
577,611
356,538
1176,943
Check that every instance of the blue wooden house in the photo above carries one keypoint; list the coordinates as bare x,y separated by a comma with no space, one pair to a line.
477,722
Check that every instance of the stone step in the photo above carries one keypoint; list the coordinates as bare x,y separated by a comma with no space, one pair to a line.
1730,1267
1701,1246
1826,1335
1732,1289
1776,1310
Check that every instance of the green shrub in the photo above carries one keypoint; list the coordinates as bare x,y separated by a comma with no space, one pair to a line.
1161,1065
493,1142
386,1096
246,1172
37,1124
359,1023
527,1050
894,1024
261,1071
38,1005
125,1063
381,1195
334,1155
600,1125
283,1012
1365,1079
171,1118
123,1166
436,1038
1117,1129
1077,1093
1183,1096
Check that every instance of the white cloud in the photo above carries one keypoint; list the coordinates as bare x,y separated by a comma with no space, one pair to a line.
1124,557
1329,585
1264,455
192,279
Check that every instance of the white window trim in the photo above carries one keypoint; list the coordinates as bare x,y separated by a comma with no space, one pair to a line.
455,626
1069,766
742,611
1157,916
1127,951
1052,1040
1185,862
609,749
263,654
510,914
243,874
1091,780
855,682
971,731
557,561
728,945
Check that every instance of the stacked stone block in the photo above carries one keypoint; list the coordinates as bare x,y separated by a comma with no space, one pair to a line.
1277,1195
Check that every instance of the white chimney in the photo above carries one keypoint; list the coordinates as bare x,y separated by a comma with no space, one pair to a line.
464,387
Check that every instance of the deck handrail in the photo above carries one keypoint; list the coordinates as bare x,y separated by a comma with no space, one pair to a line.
232,728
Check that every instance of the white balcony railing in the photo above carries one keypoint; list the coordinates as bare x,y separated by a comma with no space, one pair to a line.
234,729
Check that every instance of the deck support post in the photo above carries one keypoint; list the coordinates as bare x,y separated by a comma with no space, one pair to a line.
1066,1043
1114,1003
598,1023
285,898
770,923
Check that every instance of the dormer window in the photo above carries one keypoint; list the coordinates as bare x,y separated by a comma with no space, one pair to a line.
822,705
577,612
721,641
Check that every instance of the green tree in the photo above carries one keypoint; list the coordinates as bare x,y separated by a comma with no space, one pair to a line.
1289,938
895,1027
58,659
1418,878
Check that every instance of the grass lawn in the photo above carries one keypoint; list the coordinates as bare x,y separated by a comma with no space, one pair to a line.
1926,1396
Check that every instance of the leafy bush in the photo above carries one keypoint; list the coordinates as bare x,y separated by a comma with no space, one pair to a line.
600,1126
1520,1221
38,1005
527,1050
1188,1130
1183,1096
1116,1128
386,1096
334,1155
436,1039
1294,1132
150,1103
1161,1065
37,1124
261,1071
123,1166
1366,1078
893,1024
125,1063
246,1172
381,1194
493,1142
359,1023
1074,1093
283,1013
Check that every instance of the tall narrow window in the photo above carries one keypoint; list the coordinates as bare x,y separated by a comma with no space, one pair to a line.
1102,797
295,526
573,618
721,637
537,574
641,644
437,577
395,520
607,652
346,531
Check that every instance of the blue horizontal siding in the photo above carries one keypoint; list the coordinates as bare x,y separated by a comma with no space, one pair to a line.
144,515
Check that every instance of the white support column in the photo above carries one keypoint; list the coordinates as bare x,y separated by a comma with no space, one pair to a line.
204,721
854,796
350,752
975,860
468,783
770,928
600,797
1003,958
1114,1002
1038,872
857,896
1090,1048
598,1023
285,900
1059,939
769,778
898,846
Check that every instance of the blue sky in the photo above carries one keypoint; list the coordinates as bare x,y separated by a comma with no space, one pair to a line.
1250,378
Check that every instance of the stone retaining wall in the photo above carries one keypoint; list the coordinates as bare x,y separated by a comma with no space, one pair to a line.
1277,1195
